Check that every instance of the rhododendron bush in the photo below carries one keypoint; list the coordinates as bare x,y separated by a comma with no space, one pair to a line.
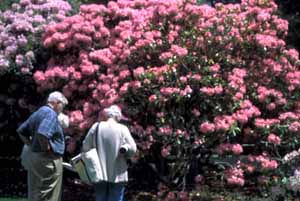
21,28
189,77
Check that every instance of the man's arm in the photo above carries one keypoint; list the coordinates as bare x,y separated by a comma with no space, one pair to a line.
24,132
44,142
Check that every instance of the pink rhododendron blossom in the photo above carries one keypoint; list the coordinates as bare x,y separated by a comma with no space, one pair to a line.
235,176
76,117
272,138
266,163
294,127
207,127
165,151
237,149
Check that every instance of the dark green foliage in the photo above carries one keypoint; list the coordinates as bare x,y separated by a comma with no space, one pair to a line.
290,10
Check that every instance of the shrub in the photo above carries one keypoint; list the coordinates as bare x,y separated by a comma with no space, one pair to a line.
21,28
189,78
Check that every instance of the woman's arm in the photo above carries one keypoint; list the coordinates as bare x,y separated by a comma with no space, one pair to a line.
129,144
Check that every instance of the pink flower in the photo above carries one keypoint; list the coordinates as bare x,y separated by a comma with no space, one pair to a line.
222,148
124,88
293,53
249,168
124,74
196,112
237,149
180,51
235,176
104,56
268,41
266,163
135,84
219,89
294,127
152,98
272,138
188,90
196,77
215,68
84,39
165,151
207,127
39,77
263,16
138,71
183,79
241,117
167,91
165,130
208,91
271,106
76,117
171,196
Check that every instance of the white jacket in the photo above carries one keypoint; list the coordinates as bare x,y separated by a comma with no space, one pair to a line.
111,136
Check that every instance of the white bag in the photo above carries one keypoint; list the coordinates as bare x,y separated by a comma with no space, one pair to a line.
87,164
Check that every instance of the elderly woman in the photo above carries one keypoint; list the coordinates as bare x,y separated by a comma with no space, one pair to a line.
115,145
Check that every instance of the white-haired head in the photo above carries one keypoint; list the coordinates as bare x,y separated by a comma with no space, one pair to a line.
57,101
57,96
113,111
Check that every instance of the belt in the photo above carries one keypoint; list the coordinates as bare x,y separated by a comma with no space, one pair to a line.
48,154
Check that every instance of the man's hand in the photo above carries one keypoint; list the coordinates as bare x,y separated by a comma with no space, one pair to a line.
25,140
45,146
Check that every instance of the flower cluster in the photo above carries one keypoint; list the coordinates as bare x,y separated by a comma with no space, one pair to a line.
21,29
235,176
233,148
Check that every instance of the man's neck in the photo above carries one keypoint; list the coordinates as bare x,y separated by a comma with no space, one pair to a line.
51,106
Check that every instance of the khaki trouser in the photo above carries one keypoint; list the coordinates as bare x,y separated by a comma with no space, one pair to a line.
44,177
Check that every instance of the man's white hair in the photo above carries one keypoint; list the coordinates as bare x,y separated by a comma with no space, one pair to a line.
57,96
113,111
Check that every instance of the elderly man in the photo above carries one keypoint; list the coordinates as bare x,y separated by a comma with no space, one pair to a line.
43,132
115,144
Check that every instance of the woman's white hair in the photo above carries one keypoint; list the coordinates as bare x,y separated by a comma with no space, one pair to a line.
114,111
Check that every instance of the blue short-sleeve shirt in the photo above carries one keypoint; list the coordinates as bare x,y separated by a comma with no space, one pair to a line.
44,122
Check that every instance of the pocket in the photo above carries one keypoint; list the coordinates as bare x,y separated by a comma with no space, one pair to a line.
58,169
42,167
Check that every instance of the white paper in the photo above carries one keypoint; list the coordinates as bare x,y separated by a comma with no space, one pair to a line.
68,166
